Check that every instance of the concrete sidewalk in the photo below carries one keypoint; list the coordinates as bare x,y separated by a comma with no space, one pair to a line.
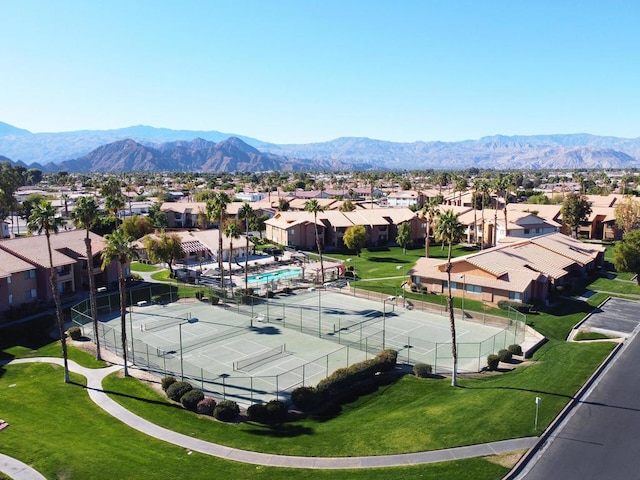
94,387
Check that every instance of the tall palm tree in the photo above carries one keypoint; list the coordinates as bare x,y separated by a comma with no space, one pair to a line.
450,230
217,210
501,187
246,213
429,212
314,207
118,246
84,216
43,219
232,232
484,188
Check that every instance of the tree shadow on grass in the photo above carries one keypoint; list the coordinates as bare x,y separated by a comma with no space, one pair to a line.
279,431
531,390
133,397
387,260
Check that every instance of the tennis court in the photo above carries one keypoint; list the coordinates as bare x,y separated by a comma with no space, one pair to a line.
263,350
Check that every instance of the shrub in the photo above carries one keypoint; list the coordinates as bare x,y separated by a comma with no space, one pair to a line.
304,397
156,299
277,411
257,412
226,410
75,333
422,370
492,361
199,294
504,355
191,399
214,300
344,378
177,390
515,349
206,406
167,382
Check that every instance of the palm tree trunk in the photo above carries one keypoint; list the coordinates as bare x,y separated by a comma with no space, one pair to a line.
452,325
315,217
246,258
230,256
59,315
123,315
92,295
220,264
426,238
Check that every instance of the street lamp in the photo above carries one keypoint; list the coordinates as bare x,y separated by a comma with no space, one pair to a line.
464,287
384,318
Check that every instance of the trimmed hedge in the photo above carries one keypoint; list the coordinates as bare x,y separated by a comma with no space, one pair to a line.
177,389
492,361
167,382
75,333
206,406
422,370
344,378
304,397
515,349
273,411
191,399
504,355
226,411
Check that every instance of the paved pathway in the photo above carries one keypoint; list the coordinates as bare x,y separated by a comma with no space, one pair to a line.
94,387
18,470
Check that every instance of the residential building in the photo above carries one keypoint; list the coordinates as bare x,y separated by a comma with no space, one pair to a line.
523,271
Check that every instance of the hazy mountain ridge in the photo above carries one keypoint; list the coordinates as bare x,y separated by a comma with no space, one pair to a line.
230,155
165,149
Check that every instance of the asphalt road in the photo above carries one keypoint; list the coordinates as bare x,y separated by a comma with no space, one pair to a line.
600,439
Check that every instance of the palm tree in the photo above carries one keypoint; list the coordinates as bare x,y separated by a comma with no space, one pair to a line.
84,216
232,232
501,185
113,204
429,212
217,209
43,219
314,207
246,213
484,188
450,230
118,246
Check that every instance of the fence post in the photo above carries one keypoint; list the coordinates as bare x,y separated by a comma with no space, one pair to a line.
303,373
202,378
251,383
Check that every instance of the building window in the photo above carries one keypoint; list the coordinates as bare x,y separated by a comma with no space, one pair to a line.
515,296
473,288
538,230
29,274
292,232
526,231
10,299
9,279
29,294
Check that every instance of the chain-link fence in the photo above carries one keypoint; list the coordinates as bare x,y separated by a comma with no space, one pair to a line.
360,337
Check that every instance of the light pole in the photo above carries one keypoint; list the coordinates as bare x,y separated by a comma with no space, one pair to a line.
464,287
181,364
319,316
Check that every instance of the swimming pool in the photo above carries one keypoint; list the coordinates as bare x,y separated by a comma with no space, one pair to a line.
281,274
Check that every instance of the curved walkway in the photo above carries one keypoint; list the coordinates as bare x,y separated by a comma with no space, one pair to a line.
94,387
18,470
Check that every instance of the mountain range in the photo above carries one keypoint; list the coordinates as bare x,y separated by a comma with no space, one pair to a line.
146,148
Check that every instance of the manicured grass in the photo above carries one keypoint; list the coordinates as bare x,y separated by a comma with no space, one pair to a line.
591,336
408,416
54,349
163,276
142,267
614,285
63,434
384,262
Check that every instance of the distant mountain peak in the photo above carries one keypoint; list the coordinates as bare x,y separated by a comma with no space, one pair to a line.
6,129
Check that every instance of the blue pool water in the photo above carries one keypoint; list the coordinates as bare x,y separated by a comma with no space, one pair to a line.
275,275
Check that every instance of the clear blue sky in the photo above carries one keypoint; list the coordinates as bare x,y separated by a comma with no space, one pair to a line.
302,71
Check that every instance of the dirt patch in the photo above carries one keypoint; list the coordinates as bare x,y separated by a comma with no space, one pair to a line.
507,460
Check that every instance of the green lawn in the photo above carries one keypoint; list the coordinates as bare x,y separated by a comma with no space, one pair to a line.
391,261
616,285
55,428
407,416
143,267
